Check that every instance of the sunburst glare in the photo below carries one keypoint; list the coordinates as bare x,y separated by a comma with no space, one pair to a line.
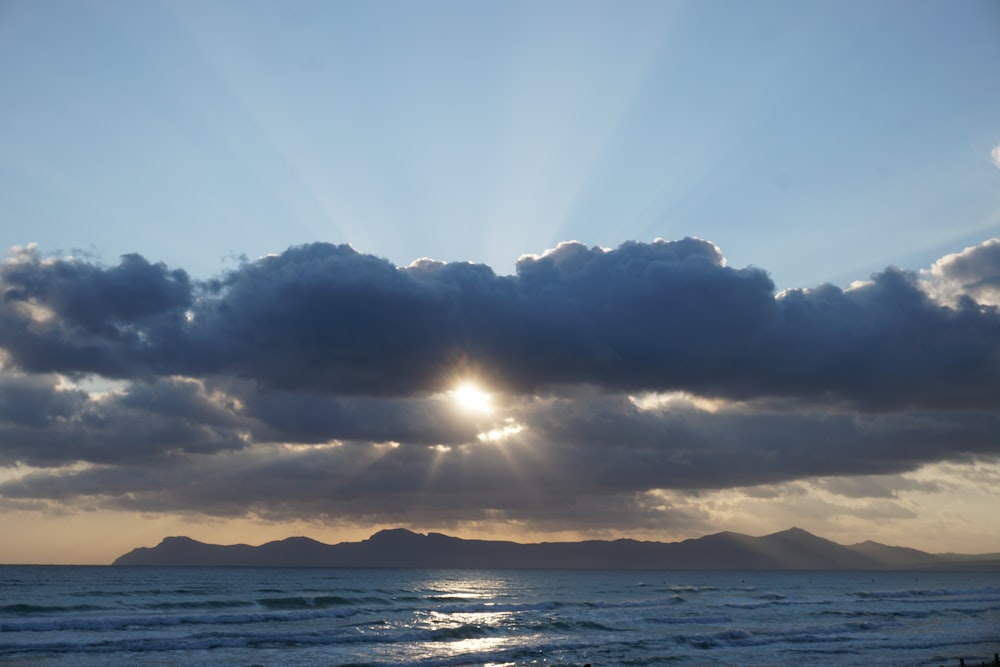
472,398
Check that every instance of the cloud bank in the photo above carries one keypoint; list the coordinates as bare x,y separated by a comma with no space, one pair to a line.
665,316
313,383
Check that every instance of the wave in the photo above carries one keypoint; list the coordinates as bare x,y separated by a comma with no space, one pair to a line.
25,609
468,631
318,602
872,613
845,632
99,623
491,608
991,592
138,592
218,639
771,596
657,602
572,626
686,620
197,604
692,589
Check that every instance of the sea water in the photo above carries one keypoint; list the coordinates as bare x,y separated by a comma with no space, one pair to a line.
84,616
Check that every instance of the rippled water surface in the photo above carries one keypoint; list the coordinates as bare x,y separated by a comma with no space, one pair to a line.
87,616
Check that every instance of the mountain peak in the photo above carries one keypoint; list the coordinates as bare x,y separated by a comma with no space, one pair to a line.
394,535
794,530
299,539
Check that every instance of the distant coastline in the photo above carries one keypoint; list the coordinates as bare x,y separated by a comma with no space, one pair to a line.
792,549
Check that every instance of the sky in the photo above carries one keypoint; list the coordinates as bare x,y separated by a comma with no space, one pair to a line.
521,270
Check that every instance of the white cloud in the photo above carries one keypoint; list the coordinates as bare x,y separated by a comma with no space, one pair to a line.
974,272
995,154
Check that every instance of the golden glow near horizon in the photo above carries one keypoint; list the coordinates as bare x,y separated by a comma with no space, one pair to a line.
937,508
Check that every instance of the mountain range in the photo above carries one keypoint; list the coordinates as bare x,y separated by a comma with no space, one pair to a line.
793,549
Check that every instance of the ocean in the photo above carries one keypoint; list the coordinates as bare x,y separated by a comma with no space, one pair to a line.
111,616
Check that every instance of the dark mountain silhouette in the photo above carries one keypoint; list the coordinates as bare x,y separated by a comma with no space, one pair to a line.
793,549
900,556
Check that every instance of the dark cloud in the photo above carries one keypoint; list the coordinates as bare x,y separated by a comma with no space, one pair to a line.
569,458
609,443
73,316
310,418
101,302
326,318
307,384
354,483
882,345
660,316
42,424
33,401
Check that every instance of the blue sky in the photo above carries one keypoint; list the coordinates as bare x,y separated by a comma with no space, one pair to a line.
653,389
820,141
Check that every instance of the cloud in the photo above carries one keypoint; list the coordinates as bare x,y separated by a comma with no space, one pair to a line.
311,384
571,457
36,401
874,486
292,417
660,316
70,315
973,273
44,424
995,154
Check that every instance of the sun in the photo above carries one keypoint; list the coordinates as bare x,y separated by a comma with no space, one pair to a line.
471,398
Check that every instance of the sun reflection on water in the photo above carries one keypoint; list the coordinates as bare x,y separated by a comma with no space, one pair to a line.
470,589
466,618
